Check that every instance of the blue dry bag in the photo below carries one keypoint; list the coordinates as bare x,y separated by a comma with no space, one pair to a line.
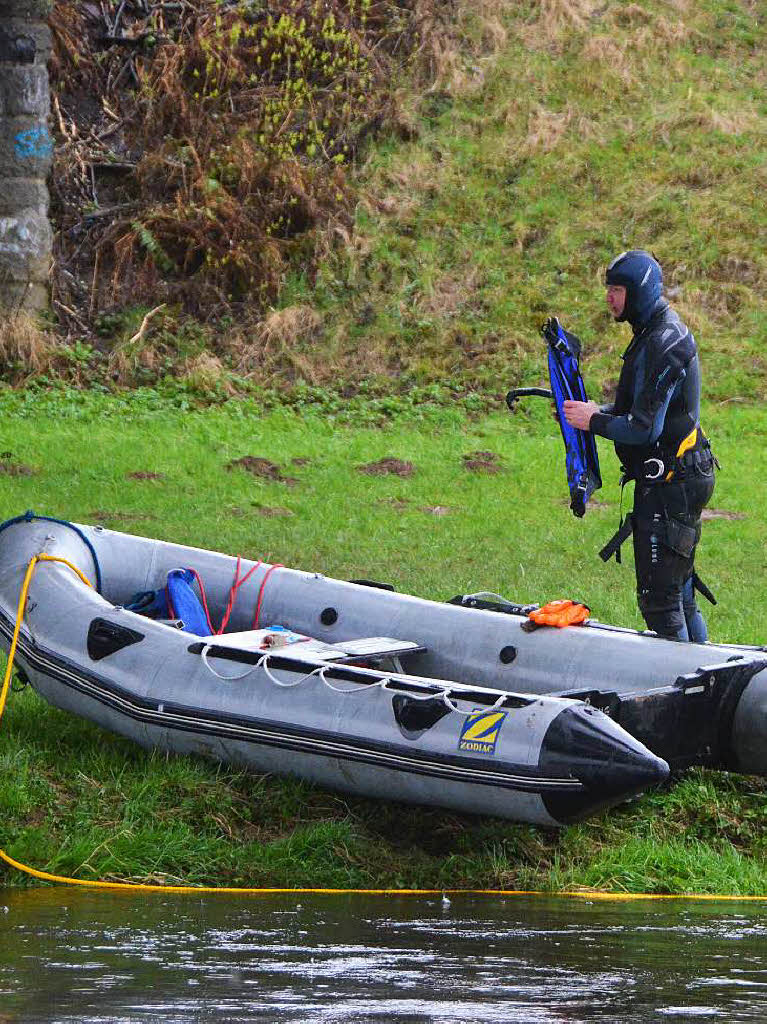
177,600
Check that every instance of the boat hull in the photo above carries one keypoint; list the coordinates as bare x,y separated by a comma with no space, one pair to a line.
411,737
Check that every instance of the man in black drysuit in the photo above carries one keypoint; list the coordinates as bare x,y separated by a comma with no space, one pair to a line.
654,422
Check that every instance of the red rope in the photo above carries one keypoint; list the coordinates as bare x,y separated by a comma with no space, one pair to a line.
237,583
233,592
268,573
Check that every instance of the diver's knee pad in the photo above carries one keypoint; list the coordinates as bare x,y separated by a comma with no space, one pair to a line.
662,611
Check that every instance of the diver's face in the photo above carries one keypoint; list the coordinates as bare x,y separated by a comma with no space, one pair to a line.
616,298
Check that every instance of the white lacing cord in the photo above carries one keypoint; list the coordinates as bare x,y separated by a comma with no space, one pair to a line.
261,663
443,695
204,656
446,697
374,685
286,686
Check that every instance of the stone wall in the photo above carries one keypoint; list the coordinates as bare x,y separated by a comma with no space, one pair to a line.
26,151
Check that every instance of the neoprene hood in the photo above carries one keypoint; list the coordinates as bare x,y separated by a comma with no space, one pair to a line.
641,276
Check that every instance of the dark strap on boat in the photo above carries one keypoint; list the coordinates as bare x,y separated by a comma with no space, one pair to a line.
622,534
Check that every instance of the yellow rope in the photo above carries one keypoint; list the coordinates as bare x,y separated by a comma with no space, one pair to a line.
20,615
138,887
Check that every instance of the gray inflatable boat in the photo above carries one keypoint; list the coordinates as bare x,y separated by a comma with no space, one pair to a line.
346,685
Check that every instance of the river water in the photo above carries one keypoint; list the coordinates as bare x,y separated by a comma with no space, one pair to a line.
68,955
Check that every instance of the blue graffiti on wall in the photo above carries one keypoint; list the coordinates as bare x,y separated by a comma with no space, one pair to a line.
33,143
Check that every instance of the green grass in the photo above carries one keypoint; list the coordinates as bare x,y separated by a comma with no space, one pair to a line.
585,132
642,127
76,800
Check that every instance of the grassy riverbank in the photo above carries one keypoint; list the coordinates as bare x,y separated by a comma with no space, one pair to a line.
76,800
537,141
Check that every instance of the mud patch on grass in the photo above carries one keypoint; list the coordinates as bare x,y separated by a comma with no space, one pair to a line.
263,468
396,503
272,511
482,462
300,460
591,505
388,466
258,509
8,467
102,515
437,510
144,474
720,513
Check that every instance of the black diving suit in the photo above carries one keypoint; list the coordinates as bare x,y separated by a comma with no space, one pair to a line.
655,425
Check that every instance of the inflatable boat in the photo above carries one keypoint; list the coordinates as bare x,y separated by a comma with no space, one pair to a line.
347,685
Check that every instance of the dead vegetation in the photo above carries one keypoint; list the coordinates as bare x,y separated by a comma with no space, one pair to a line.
614,33
25,347
737,270
282,337
558,15
455,40
673,121
201,148
206,374
451,293
137,350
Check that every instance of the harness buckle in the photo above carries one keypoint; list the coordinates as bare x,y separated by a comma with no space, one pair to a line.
657,473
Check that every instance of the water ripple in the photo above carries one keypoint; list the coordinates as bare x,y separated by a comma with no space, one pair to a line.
112,959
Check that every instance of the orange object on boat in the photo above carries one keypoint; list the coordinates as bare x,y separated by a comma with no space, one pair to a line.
560,613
